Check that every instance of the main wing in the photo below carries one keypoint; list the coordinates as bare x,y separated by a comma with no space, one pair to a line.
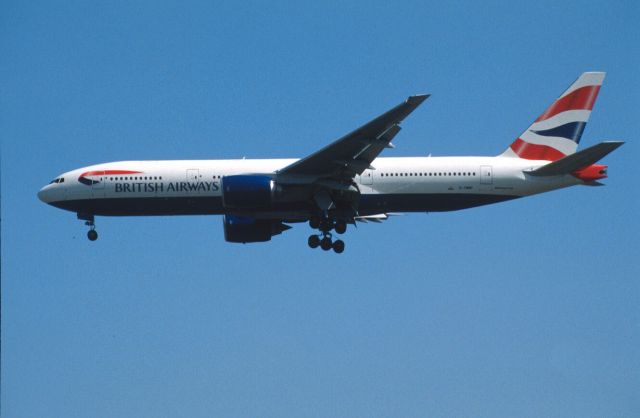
354,152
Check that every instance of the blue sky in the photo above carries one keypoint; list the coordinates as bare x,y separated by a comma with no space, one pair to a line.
525,308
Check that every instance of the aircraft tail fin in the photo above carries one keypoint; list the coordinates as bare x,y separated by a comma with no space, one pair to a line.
556,133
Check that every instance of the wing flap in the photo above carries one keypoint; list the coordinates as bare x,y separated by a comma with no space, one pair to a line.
376,218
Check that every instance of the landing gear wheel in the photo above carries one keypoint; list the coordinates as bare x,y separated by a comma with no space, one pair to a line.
314,241
92,235
338,246
340,227
325,243
326,226
314,223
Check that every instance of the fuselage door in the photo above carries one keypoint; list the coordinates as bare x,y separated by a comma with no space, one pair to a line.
366,177
193,177
97,187
486,174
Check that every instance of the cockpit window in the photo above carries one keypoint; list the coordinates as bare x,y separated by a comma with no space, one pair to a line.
58,180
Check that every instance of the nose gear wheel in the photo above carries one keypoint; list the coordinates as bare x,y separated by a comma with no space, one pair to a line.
89,219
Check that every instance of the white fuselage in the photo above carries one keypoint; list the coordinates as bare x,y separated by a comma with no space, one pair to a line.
406,184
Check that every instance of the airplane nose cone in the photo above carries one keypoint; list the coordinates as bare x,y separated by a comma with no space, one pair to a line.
44,195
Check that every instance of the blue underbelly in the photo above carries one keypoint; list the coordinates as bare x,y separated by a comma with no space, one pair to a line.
207,205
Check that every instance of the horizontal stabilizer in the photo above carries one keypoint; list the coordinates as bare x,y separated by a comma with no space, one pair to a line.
576,161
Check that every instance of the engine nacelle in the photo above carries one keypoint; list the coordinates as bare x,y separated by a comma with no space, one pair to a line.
244,229
247,191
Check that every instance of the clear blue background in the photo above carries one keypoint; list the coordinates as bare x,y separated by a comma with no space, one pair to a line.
525,308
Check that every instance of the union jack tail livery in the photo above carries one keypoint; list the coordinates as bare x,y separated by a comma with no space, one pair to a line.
557,131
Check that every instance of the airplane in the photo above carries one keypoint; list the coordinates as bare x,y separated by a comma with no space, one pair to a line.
345,182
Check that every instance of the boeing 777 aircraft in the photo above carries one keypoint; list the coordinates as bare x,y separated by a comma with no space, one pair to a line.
344,182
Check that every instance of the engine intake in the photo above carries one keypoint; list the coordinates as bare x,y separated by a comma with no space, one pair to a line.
243,229
247,191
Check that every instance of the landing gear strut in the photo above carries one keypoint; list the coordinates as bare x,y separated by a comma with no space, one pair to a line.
92,234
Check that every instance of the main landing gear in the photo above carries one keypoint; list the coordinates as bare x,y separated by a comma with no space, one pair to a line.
324,239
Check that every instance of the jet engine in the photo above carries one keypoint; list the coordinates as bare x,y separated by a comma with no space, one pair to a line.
247,191
244,229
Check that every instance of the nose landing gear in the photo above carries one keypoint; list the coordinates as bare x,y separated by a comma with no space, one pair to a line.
92,234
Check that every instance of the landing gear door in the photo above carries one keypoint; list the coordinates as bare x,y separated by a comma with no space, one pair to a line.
97,183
